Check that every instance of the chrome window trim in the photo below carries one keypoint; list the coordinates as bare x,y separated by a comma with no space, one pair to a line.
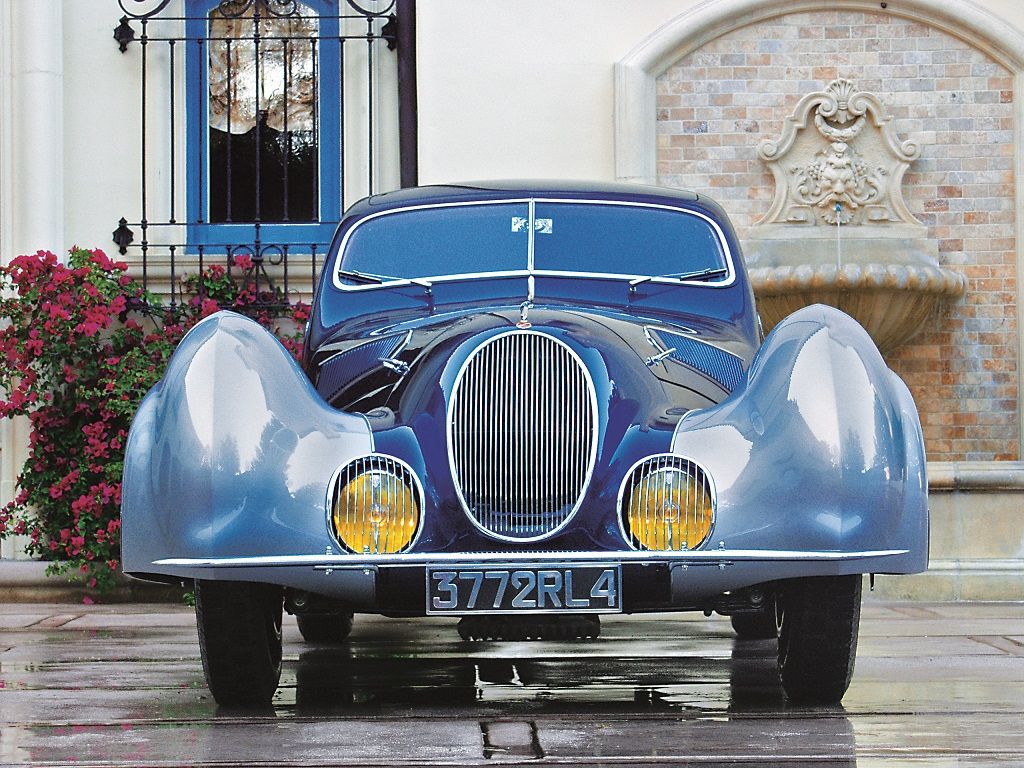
706,557
675,457
723,243
592,464
332,486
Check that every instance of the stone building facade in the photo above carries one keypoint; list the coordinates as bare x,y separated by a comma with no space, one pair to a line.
716,104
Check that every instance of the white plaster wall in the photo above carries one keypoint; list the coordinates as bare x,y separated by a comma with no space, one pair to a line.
36,64
102,124
525,88
8,456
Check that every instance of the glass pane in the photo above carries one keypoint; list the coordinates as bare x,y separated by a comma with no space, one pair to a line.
263,143
622,240
441,241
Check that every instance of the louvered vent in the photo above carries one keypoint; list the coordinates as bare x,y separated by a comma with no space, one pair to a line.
522,432
340,370
723,367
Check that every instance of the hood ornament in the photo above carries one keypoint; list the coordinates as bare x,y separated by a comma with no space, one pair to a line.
524,310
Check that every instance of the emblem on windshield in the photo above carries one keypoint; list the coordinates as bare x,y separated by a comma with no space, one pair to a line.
540,226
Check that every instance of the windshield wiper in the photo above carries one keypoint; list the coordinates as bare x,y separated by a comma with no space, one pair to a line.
363,277
368,277
702,274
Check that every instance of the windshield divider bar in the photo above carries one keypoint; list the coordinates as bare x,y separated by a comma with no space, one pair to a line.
532,214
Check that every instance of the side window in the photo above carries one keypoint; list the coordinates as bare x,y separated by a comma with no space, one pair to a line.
262,121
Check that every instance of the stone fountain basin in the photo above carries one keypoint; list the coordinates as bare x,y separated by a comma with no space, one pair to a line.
891,301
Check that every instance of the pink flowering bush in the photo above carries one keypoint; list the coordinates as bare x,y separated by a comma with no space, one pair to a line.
81,344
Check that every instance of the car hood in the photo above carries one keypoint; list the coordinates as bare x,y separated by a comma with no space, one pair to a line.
665,369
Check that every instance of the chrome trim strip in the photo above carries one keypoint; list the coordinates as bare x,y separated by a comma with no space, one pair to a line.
332,487
678,429
526,495
672,457
691,557
722,241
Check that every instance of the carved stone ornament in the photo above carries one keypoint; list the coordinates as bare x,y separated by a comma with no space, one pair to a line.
852,157
838,231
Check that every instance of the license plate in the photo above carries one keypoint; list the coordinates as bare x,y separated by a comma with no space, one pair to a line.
524,589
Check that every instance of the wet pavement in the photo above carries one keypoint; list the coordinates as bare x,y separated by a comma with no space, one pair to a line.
936,685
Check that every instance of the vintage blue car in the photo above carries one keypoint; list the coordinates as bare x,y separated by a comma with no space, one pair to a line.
527,405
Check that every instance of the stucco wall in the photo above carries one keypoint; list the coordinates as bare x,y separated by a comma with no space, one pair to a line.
526,88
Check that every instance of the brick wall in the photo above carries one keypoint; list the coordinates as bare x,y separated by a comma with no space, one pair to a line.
717,104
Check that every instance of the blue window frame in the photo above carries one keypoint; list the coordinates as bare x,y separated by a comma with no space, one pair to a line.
318,225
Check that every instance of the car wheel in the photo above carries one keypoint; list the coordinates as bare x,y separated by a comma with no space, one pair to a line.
818,620
240,640
756,625
331,628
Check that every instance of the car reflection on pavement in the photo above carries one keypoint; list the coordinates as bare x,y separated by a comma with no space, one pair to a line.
527,697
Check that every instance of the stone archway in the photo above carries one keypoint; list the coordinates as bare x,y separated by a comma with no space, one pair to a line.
968,412
636,72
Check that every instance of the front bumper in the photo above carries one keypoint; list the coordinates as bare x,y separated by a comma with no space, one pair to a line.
651,581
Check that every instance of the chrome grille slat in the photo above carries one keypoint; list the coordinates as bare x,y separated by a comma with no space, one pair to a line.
522,428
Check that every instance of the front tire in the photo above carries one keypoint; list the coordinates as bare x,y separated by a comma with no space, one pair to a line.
818,620
240,640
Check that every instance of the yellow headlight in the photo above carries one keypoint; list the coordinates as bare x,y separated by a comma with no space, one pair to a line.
668,504
376,506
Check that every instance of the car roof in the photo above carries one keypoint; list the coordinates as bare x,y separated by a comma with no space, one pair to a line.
516,189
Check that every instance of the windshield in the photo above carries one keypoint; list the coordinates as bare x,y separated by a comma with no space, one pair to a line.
567,237
622,240
431,242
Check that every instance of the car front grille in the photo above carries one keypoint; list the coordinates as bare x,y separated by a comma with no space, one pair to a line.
522,434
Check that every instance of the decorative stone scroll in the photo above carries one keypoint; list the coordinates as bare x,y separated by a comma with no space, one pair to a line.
838,231
848,170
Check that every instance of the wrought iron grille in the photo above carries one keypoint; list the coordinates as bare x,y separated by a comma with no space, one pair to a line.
258,121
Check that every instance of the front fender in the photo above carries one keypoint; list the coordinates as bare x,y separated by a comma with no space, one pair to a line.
232,452
821,450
